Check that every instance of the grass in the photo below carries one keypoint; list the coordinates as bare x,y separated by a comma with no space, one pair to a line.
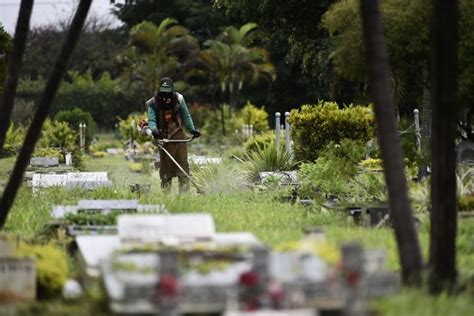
261,213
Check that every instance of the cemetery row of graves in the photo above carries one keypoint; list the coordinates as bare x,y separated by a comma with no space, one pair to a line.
266,235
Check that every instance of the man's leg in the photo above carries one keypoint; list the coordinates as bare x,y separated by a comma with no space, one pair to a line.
166,185
183,184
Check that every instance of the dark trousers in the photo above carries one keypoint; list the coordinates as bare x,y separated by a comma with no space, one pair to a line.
183,184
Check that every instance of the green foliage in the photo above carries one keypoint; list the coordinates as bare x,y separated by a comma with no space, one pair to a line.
76,116
13,141
267,158
104,98
313,127
5,46
261,140
57,134
213,125
136,167
92,218
129,127
51,267
336,172
255,116
156,51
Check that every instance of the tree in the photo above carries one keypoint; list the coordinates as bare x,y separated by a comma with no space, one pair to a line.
154,52
97,49
14,66
229,63
445,33
5,47
44,104
390,145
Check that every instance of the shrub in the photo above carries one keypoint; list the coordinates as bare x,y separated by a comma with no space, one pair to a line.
129,127
76,116
136,167
13,141
212,128
268,159
51,267
314,126
99,154
257,117
259,141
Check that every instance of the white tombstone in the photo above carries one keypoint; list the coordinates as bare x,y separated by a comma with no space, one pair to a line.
166,228
18,278
48,180
44,161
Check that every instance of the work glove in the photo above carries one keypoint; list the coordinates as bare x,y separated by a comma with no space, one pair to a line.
196,133
157,133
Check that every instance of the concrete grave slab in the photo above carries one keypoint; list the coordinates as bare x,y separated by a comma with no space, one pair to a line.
17,279
166,228
204,160
107,205
44,161
94,249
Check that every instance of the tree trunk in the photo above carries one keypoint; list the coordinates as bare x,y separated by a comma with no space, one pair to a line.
41,113
223,119
443,156
390,145
14,67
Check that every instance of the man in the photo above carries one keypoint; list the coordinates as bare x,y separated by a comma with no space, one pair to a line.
167,114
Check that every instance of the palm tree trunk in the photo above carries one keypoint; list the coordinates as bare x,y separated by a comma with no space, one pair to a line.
223,119
14,68
443,181
41,113
390,144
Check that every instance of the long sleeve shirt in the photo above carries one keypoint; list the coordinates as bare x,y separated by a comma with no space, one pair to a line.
187,119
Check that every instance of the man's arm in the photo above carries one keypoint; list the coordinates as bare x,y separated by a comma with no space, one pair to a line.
151,114
187,119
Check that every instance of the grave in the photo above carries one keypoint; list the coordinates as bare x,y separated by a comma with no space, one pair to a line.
114,151
283,177
86,180
204,160
44,162
17,274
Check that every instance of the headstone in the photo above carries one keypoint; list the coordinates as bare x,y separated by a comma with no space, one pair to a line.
44,161
204,160
87,176
166,228
94,249
17,279
48,180
375,260
113,151
383,284
284,312
107,205
88,185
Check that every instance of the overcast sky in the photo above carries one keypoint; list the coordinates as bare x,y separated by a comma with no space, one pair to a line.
51,11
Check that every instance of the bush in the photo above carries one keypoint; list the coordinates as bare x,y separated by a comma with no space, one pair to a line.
51,268
257,117
129,128
268,159
259,141
314,126
13,141
76,116
212,129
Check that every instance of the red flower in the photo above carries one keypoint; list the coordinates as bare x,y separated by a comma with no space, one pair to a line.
249,278
352,278
168,285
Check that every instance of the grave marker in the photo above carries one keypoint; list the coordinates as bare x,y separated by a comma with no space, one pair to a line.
17,279
44,162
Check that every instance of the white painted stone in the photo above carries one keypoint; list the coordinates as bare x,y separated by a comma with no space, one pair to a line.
44,161
204,160
283,312
87,176
48,180
71,289
156,228
107,204
18,278
94,249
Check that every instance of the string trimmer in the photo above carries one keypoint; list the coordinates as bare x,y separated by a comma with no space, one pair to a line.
161,144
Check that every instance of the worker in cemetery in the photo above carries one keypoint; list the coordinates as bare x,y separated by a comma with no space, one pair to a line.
168,115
